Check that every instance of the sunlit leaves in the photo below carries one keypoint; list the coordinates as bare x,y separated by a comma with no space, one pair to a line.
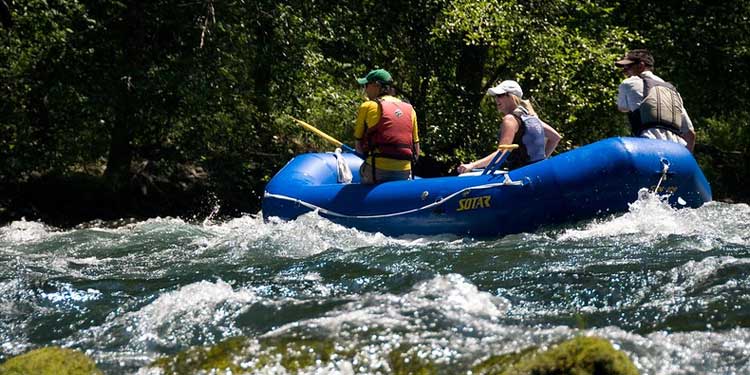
64,67
486,22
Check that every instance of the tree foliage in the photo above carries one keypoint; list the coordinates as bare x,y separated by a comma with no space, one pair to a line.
102,87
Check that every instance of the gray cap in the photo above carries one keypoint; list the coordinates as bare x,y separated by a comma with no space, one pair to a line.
507,86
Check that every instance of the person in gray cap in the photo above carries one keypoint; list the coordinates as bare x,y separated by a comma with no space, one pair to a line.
521,126
661,116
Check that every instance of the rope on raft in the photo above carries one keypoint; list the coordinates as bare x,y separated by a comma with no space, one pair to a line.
506,182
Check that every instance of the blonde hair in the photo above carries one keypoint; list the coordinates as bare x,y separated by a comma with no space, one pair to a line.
523,103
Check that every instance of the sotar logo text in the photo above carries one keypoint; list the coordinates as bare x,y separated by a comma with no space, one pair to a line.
474,203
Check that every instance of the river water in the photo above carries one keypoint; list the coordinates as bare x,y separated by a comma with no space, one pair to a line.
671,288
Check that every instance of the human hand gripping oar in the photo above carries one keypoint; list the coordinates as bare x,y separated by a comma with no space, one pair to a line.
325,136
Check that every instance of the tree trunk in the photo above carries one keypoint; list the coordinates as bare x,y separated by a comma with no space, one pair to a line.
262,70
469,74
127,118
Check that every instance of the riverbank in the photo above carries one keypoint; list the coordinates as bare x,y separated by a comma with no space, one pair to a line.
195,192
187,191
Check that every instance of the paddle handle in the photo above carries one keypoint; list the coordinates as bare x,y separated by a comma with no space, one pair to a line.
502,154
511,146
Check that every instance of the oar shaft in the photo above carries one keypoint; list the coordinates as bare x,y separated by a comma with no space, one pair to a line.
503,151
317,131
325,136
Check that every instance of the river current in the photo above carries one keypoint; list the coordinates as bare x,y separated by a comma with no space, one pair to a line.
670,288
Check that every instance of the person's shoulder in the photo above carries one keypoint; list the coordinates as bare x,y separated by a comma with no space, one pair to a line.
632,80
632,83
369,105
400,102
511,118
389,98
650,74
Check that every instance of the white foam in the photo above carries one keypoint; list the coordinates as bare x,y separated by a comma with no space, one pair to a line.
454,294
205,310
649,215
448,300
709,353
67,293
651,218
22,232
689,276
308,235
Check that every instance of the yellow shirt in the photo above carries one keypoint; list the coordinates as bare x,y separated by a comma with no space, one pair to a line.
368,116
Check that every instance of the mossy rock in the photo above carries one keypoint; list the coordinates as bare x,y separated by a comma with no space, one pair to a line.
50,361
404,363
497,364
578,356
221,356
297,354
293,354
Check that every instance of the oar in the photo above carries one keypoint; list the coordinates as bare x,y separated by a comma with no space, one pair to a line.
325,136
499,158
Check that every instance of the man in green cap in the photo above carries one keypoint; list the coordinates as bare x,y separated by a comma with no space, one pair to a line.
385,131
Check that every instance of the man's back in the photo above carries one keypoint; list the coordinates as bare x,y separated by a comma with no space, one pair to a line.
630,92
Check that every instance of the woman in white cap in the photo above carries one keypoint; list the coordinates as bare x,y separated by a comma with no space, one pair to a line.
521,126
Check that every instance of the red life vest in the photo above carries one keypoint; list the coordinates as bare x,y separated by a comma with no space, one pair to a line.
392,135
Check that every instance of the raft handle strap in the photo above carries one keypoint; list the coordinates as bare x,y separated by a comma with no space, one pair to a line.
664,170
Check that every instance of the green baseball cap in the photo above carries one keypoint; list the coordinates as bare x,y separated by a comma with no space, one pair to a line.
377,75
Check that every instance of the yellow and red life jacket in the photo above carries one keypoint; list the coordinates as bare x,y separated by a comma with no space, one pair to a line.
392,137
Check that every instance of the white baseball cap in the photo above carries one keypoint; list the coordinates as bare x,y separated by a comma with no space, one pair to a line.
507,86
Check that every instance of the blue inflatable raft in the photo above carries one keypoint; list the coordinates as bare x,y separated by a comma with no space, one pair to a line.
600,178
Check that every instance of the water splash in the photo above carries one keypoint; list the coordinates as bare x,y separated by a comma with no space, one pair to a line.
447,309
24,232
202,312
651,219
690,283
306,236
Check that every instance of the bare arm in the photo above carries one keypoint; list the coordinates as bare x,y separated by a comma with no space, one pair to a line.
688,132
553,138
689,137
627,94
481,163
508,130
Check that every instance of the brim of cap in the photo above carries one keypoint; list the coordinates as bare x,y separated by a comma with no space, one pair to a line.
624,62
495,91
362,81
